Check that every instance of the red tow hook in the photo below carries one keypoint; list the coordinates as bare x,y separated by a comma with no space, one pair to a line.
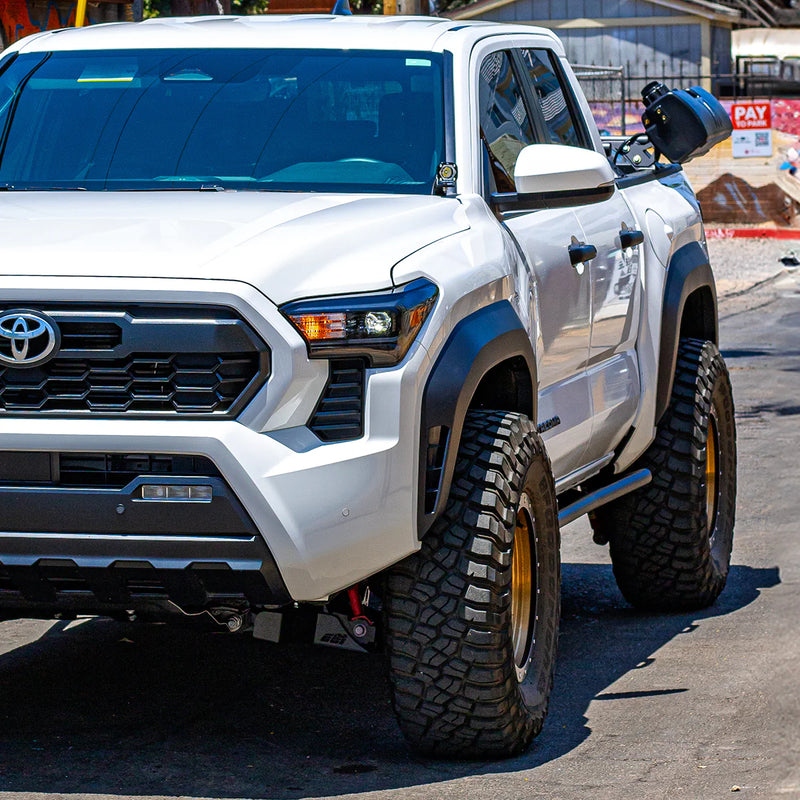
360,624
355,603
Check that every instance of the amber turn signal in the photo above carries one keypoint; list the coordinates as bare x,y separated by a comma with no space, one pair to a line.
320,327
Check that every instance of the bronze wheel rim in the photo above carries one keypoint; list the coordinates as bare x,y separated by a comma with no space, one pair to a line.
523,589
712,477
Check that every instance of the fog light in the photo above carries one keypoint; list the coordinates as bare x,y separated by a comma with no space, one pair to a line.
177,493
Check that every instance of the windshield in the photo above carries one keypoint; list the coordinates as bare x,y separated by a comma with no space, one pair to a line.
275,120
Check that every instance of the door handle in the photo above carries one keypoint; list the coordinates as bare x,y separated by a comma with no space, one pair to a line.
629,238
578,253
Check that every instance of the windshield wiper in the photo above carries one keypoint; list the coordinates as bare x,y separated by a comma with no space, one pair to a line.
12,187
194,183
204,187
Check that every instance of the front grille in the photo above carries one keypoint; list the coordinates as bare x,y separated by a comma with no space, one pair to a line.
85,470
152,360
98,494
190,383
119,469
340,412
90,335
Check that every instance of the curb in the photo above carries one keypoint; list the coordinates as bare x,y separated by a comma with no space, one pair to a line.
752,233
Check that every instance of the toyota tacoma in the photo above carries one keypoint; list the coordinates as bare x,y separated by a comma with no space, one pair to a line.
321,327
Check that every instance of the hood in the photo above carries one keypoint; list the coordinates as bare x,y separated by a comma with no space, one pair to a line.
288,246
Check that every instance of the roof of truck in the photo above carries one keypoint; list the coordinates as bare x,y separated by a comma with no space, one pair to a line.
312,31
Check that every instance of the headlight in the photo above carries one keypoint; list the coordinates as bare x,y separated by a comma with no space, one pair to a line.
378,327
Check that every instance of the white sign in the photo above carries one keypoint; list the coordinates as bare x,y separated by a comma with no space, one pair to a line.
748,144
752,129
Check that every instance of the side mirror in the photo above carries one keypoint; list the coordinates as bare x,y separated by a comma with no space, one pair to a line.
558,168
557,176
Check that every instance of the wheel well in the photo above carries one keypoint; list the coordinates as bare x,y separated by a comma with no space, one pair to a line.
689,312
699,320
488,362
507,386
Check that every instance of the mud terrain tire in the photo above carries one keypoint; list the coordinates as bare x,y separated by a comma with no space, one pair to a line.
671,541
472,618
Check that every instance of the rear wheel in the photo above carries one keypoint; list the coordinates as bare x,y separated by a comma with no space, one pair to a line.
671,541
472,618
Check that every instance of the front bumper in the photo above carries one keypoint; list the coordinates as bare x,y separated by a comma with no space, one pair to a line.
322,516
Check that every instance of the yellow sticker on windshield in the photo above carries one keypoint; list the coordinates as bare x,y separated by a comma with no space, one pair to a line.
109,72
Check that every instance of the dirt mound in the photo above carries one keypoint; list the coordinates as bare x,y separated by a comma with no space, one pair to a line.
729,200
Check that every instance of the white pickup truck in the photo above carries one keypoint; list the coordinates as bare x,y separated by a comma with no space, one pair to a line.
324,325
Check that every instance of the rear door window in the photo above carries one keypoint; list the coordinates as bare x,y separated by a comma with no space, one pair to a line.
562,123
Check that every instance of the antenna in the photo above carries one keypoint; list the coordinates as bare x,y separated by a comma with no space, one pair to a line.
342,8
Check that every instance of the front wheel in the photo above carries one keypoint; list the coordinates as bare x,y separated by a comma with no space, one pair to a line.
472,618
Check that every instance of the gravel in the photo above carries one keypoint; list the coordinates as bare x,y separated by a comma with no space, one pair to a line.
740,263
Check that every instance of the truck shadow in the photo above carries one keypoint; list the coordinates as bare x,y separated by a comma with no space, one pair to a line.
107,708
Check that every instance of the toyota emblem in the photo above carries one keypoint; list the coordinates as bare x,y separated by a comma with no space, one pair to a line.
27,338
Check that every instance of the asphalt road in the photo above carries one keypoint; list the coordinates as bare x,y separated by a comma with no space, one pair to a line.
684,705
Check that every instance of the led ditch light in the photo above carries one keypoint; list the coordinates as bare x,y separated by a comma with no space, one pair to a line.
378,327
177,493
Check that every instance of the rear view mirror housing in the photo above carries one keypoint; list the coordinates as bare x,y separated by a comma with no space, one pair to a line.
559,168
557,176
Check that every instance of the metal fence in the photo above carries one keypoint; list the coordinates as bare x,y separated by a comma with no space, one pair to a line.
614,93
606,90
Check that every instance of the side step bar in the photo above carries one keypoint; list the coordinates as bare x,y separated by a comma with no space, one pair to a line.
589,502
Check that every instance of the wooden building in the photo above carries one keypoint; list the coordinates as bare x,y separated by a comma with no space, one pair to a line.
653,37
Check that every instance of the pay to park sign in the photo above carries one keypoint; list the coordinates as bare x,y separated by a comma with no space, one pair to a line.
752,129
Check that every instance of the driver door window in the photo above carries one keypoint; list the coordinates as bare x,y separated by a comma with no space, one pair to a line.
505,127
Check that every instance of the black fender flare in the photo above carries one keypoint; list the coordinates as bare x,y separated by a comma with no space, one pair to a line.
688,270
480,341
